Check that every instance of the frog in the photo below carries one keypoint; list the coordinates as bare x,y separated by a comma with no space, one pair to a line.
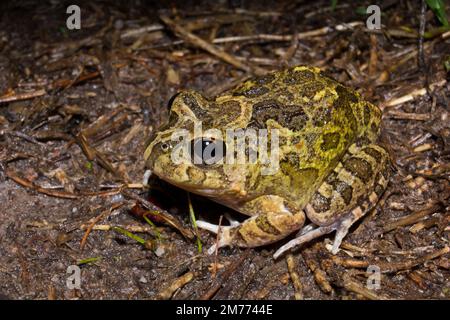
331,167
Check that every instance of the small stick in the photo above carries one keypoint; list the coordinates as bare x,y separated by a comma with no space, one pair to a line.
412,218
180,282
319,275
350,263
199,42
294,277
22,96
28,184
216,251
411,96
395,267
423,9
395,114
225,275
354,286
391,267
97,219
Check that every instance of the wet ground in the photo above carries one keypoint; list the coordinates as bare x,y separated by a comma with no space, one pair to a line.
76,107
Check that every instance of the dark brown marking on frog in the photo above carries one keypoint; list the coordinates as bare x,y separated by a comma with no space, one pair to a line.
193,105
298,77
359,167
367,114
343,104
237,237
263,111
229,111
374,128
294,118
264,224
320,203
309,89
252,92
284,94
289,116
344,190
266,79
330,141
362,199
323,116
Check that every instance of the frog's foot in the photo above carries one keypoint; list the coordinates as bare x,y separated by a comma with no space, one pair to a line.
225,237
260,229
309,233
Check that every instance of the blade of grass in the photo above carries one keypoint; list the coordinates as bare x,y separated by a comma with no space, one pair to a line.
88,260
155,229
130,235
194,223
438,8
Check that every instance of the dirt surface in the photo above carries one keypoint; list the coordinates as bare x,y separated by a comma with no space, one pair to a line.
76,107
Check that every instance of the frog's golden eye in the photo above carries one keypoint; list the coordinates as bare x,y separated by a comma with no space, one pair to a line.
207,151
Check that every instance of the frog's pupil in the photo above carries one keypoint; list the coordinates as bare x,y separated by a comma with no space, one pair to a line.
206,151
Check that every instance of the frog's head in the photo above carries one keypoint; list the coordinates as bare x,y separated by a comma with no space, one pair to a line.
189,151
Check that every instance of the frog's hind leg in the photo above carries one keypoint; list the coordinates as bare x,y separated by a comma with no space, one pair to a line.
351,190
276,220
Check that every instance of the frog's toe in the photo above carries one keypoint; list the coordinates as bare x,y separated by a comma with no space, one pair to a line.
233,222
211,227
303,238
225,237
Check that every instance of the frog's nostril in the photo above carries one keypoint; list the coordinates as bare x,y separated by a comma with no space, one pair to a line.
165,146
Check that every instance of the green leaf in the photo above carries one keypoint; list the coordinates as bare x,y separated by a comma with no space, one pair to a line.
438,8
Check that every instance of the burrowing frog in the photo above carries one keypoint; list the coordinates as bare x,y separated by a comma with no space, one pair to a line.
330,168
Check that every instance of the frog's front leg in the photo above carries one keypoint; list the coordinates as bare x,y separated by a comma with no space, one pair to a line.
349,192
276,219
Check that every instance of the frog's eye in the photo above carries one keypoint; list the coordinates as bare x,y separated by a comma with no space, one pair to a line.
207,151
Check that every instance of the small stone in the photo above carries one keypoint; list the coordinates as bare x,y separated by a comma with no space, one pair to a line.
159,251
143,280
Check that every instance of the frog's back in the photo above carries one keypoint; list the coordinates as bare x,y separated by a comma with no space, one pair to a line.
318,119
